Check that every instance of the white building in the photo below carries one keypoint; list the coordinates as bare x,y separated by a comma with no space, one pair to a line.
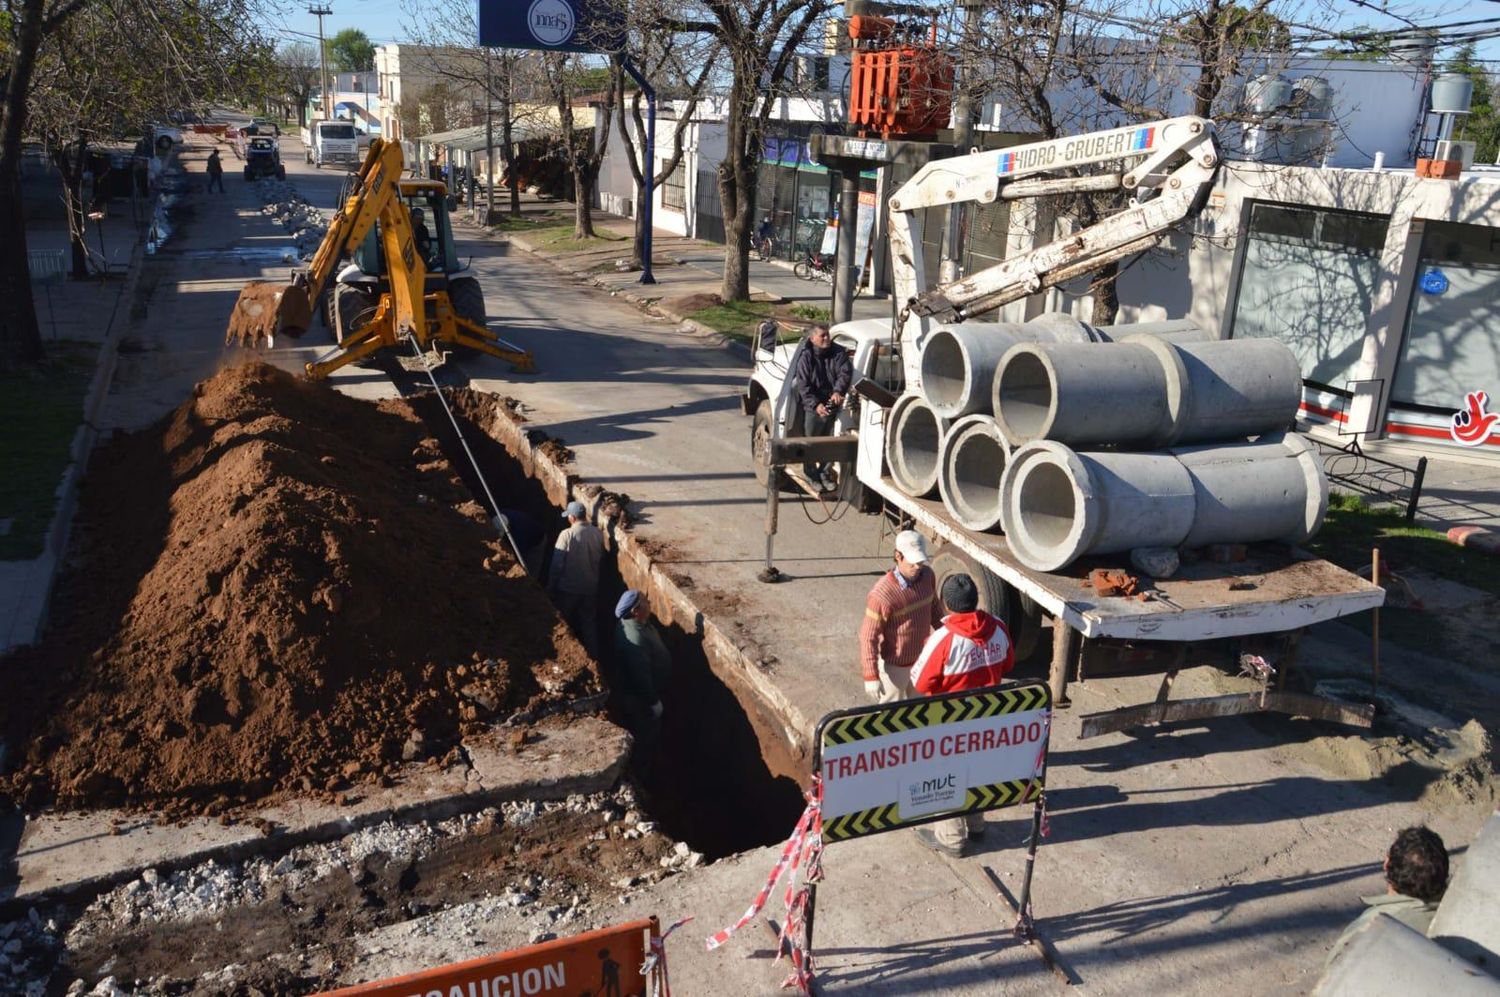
435,88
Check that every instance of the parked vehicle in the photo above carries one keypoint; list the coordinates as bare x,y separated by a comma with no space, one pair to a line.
331,142
263,159
265,126
814,265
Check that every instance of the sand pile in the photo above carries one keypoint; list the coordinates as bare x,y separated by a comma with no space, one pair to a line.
275,588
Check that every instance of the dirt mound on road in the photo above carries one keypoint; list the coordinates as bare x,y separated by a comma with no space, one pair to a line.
275,588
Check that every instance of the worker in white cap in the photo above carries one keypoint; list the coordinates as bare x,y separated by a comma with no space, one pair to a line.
574,576
900,611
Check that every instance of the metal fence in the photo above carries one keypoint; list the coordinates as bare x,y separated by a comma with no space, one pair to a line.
45,264
1373,477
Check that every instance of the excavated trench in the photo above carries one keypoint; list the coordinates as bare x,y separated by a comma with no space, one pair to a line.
720,777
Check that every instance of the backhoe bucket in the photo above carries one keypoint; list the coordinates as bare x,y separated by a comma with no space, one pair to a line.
265,309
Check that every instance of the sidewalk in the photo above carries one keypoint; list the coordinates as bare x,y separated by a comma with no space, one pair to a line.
91,312
688,272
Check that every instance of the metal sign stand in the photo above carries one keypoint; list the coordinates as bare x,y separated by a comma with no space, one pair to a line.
1025,927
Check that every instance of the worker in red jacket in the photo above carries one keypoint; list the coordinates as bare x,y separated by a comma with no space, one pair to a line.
970,649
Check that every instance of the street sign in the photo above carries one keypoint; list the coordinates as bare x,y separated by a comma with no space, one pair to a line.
552,25
899,764
593,964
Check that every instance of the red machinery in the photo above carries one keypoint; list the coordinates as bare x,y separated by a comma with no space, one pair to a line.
900,83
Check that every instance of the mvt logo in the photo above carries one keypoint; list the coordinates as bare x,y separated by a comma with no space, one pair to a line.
933,785
551,21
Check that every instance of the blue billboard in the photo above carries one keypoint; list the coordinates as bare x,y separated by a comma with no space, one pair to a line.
552,25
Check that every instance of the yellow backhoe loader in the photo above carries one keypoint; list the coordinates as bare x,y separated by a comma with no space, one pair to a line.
404,282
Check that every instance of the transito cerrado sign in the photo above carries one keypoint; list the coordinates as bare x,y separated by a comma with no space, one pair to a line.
899,764
552,25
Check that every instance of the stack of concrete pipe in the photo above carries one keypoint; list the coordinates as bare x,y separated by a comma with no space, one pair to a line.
1010,416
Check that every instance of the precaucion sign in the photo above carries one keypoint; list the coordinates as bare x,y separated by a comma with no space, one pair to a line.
594,964
906,763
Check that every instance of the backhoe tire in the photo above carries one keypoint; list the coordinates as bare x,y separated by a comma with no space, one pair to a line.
1021,616
762,428
468,300
352,306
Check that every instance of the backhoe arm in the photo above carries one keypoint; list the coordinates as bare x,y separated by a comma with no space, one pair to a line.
265,308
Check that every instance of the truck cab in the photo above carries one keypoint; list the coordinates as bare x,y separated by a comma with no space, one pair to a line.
771,396
331,142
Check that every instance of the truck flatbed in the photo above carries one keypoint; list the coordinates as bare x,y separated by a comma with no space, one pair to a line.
1277,588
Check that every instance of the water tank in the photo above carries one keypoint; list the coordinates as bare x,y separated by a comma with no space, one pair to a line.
1264,94
1452,93
1314,98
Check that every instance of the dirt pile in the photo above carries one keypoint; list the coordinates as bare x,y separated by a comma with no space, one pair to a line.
275,588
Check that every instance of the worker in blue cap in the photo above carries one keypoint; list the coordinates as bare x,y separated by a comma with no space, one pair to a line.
645,667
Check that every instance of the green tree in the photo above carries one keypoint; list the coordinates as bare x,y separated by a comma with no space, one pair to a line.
351,51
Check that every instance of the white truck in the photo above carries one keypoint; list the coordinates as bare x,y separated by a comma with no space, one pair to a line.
1207,611
331,142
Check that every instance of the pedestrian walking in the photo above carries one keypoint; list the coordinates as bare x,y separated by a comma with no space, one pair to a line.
823,375
574,575
645,667
900,611
970,649
215,172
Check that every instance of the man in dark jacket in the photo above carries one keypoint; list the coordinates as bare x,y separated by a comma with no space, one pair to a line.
823,376
645,667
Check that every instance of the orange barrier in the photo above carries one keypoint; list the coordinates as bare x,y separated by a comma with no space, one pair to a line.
593,964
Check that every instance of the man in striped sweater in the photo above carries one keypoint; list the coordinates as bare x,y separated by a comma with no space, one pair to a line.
900,612
970,650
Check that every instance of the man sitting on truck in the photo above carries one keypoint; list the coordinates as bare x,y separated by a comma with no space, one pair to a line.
823,376
970,650
900,612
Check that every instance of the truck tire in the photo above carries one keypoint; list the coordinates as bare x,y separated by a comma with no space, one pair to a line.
248,174
351,306
306,156
1022,617
280,172
762,427
468,300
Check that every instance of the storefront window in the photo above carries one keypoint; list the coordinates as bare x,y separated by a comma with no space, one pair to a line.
1450,348
1308,278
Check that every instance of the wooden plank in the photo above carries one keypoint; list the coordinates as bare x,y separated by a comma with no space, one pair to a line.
1295,703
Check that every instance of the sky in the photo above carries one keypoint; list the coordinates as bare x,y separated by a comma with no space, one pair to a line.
383,20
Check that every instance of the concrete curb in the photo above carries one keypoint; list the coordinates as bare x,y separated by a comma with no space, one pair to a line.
640,570
644,302
55,543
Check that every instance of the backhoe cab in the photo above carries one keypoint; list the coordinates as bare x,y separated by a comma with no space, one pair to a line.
405,282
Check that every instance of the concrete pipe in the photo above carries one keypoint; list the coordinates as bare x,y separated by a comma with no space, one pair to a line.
958,366
1083,393
1233,388
913,445
974,456
1058,505
1145,392
1179,330
1058,327
1272,489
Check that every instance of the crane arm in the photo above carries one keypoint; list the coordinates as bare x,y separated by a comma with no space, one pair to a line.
1171,165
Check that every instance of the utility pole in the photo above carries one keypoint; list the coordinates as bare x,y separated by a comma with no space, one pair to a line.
320,13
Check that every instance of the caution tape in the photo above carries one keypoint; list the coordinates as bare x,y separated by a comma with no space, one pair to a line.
792,849
655,966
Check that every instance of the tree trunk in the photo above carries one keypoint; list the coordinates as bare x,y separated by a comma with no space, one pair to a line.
737,193
71,167
20,337
583,208
1105,288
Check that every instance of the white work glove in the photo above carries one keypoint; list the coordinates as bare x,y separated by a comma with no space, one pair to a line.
656,710
872,688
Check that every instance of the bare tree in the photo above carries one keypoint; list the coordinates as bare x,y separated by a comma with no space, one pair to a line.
680,68
83,71
759,39
568,77
300,74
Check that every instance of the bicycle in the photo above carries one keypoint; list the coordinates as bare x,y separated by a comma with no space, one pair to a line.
762,248
814,265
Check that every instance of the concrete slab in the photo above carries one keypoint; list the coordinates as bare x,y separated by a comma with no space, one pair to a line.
81,853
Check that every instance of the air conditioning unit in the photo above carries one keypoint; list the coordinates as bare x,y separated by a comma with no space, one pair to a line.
1463,152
